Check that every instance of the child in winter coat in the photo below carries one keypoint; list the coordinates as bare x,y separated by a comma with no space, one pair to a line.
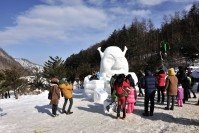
113,100
180,95
132,95
131,100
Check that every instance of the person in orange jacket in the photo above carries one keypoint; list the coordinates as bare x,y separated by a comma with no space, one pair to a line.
67,91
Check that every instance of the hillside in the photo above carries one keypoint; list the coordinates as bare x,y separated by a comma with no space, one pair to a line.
29,65
6,61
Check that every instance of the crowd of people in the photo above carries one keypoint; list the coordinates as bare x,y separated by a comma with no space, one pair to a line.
172,86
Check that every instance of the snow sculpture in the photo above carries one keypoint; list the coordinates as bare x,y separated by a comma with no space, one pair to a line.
91,85
113,61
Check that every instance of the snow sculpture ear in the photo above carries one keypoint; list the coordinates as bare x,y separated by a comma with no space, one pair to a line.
101,53
125,49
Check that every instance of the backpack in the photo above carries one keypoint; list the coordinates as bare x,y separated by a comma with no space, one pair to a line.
189,82
124,93
113,96
50,95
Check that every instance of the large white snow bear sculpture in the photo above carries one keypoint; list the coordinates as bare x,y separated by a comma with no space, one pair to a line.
113,61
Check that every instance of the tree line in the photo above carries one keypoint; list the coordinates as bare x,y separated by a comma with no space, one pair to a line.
180,31
12,80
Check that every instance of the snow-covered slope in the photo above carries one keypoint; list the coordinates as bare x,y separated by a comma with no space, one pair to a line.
32,114
29,65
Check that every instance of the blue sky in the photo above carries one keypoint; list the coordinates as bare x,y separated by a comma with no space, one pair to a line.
37,29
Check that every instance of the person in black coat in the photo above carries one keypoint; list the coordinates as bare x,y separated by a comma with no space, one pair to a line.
140,78
150,85
182,79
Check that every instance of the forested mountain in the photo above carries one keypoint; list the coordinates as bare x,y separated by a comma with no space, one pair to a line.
11,71
6,61
180,31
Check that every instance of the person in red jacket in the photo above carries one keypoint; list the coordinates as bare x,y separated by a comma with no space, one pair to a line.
161,75
121,93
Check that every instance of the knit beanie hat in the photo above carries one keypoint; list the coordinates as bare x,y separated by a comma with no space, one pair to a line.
62,82
54,81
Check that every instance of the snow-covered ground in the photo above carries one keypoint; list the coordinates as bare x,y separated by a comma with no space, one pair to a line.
32,114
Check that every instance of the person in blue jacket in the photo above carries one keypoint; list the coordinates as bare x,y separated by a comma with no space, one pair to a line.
149,84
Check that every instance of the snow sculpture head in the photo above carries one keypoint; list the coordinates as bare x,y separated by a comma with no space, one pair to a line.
113,61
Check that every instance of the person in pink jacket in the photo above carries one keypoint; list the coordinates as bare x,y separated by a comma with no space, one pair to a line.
180,95
132,94
131,100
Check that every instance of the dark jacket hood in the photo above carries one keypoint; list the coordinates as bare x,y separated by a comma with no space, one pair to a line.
148,73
